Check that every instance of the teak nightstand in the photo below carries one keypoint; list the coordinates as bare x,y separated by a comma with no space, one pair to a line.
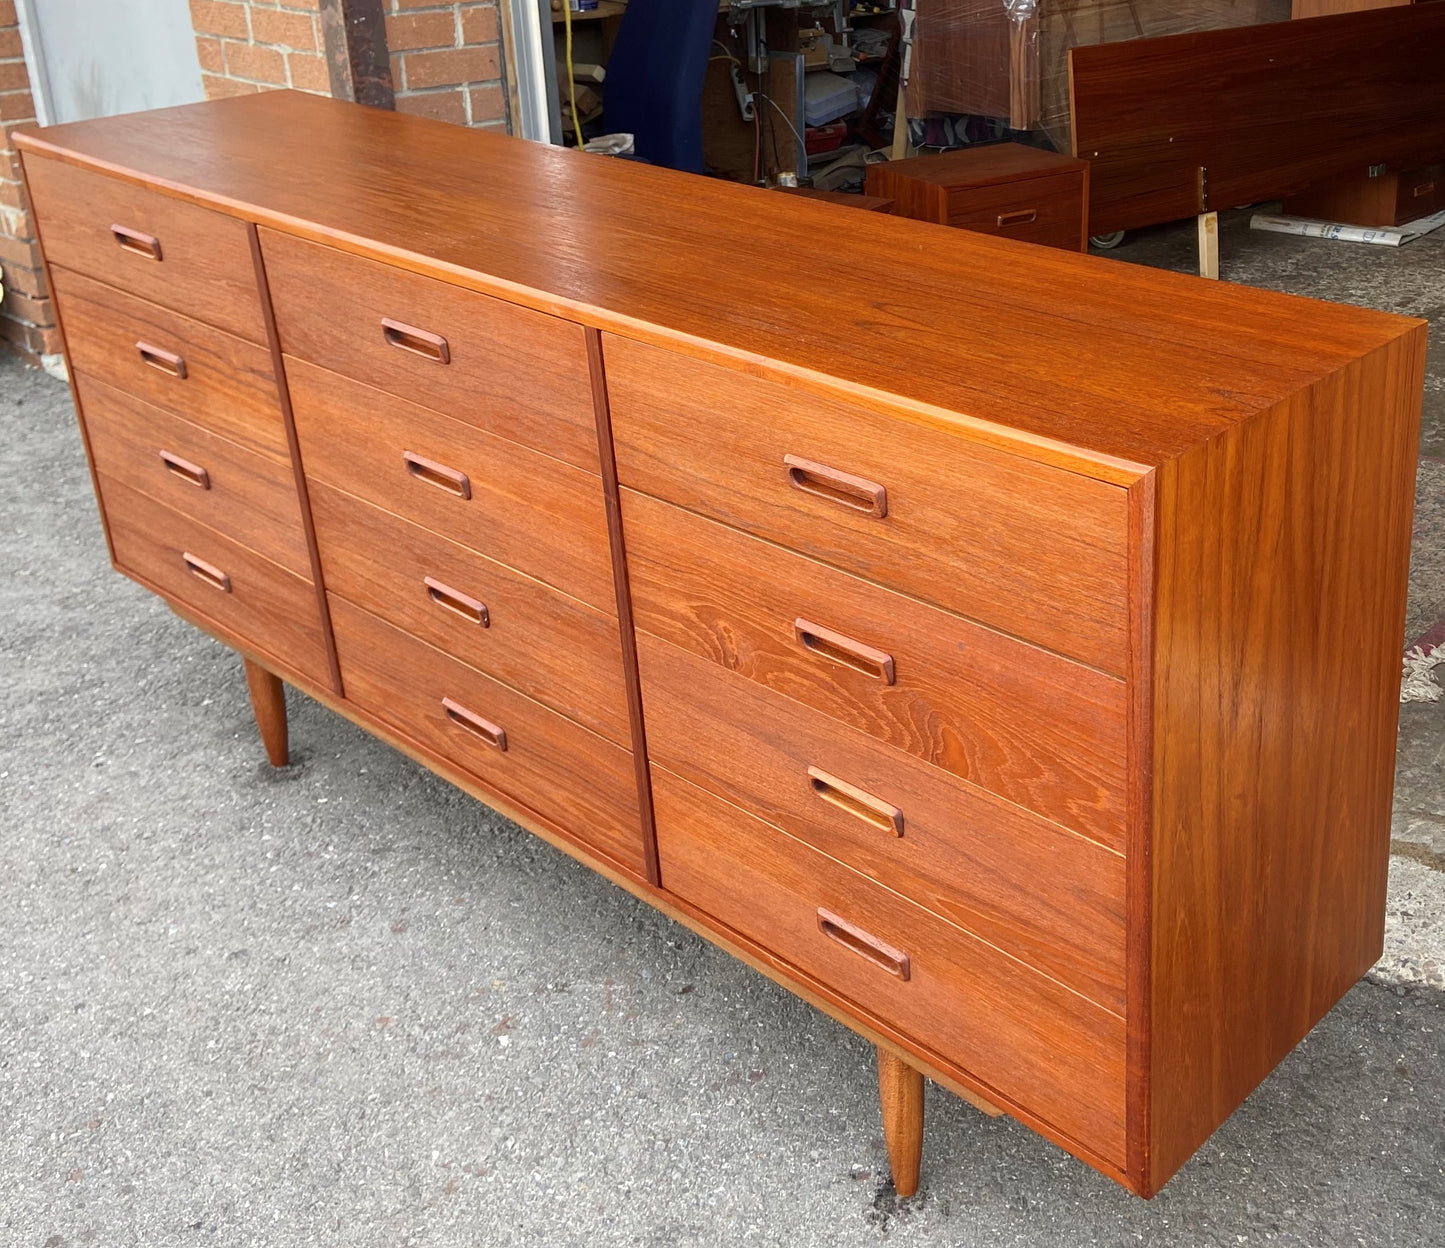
1001,188
1004,657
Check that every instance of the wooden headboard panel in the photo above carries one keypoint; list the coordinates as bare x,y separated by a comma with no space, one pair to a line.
1185,124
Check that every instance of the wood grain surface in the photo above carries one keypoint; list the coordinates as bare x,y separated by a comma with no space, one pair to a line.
1028,887
581,781
539,641
246,496
268,705
1276,677
1264,110
204,265
1040,730
1074,359
275,610
1015,1029
228,388
1029,549
527,510
510,371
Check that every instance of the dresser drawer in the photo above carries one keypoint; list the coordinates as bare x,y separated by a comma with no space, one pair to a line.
185,258
553,648
1038,729
514,505
266,606
1029,549
1046,210
248,497
578,780
516,373
208,377
1028,887
1029,1038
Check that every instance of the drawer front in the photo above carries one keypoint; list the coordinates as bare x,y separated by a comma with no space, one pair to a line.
268,607
1421,192
553,648
1032,550
185,258
208,377
248,497
516,373
579,781
1034,210
1029,888
1038,729
1029,1038
514,505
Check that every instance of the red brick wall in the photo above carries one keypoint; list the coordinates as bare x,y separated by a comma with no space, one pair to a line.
446,55
27,324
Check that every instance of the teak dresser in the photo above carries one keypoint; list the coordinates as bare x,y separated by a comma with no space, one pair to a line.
1004,658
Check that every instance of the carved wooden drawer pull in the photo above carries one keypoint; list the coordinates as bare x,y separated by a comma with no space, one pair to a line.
457,603
185,470
844,650
133,241
473,723
864,944
855,493
873,811
207,572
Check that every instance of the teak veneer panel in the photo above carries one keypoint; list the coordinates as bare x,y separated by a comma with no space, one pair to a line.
1074,359
204,268
1263,110
1028,887
1029,549
1038,729
228,386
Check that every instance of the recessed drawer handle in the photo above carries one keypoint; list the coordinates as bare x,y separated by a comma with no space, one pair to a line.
167,361
475,724
1022,217
208,572
186,470
821,481
439,475
844,650
873,811
457,602
409,338
1424,188
865,944
147,245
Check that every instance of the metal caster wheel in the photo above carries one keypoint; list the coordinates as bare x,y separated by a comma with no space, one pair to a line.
1107,242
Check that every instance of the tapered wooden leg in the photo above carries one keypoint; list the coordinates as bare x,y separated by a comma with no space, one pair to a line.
268,702
900,1091
1209,244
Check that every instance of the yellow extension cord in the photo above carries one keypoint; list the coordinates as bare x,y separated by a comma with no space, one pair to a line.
571,76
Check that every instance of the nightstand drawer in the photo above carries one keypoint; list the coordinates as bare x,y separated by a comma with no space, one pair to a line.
208,377
185,258
1025,885
268,607
515,505
1029,549
576,779
249,497
1047,210
1030,1039
513,372
544,643
1041,730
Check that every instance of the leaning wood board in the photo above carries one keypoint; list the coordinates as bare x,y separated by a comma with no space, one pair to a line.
1041,615
1188,124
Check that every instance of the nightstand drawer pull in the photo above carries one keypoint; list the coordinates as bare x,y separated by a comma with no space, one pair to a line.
409,338
187,471
166,361
864,944
852,492
1022,217
1424,188
457,603
208,572
133,241
475,724
439,475
873,811
844,650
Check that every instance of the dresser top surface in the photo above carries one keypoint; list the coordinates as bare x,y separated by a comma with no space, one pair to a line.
1087,361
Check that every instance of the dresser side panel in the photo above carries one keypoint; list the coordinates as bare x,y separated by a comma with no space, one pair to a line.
1282,557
